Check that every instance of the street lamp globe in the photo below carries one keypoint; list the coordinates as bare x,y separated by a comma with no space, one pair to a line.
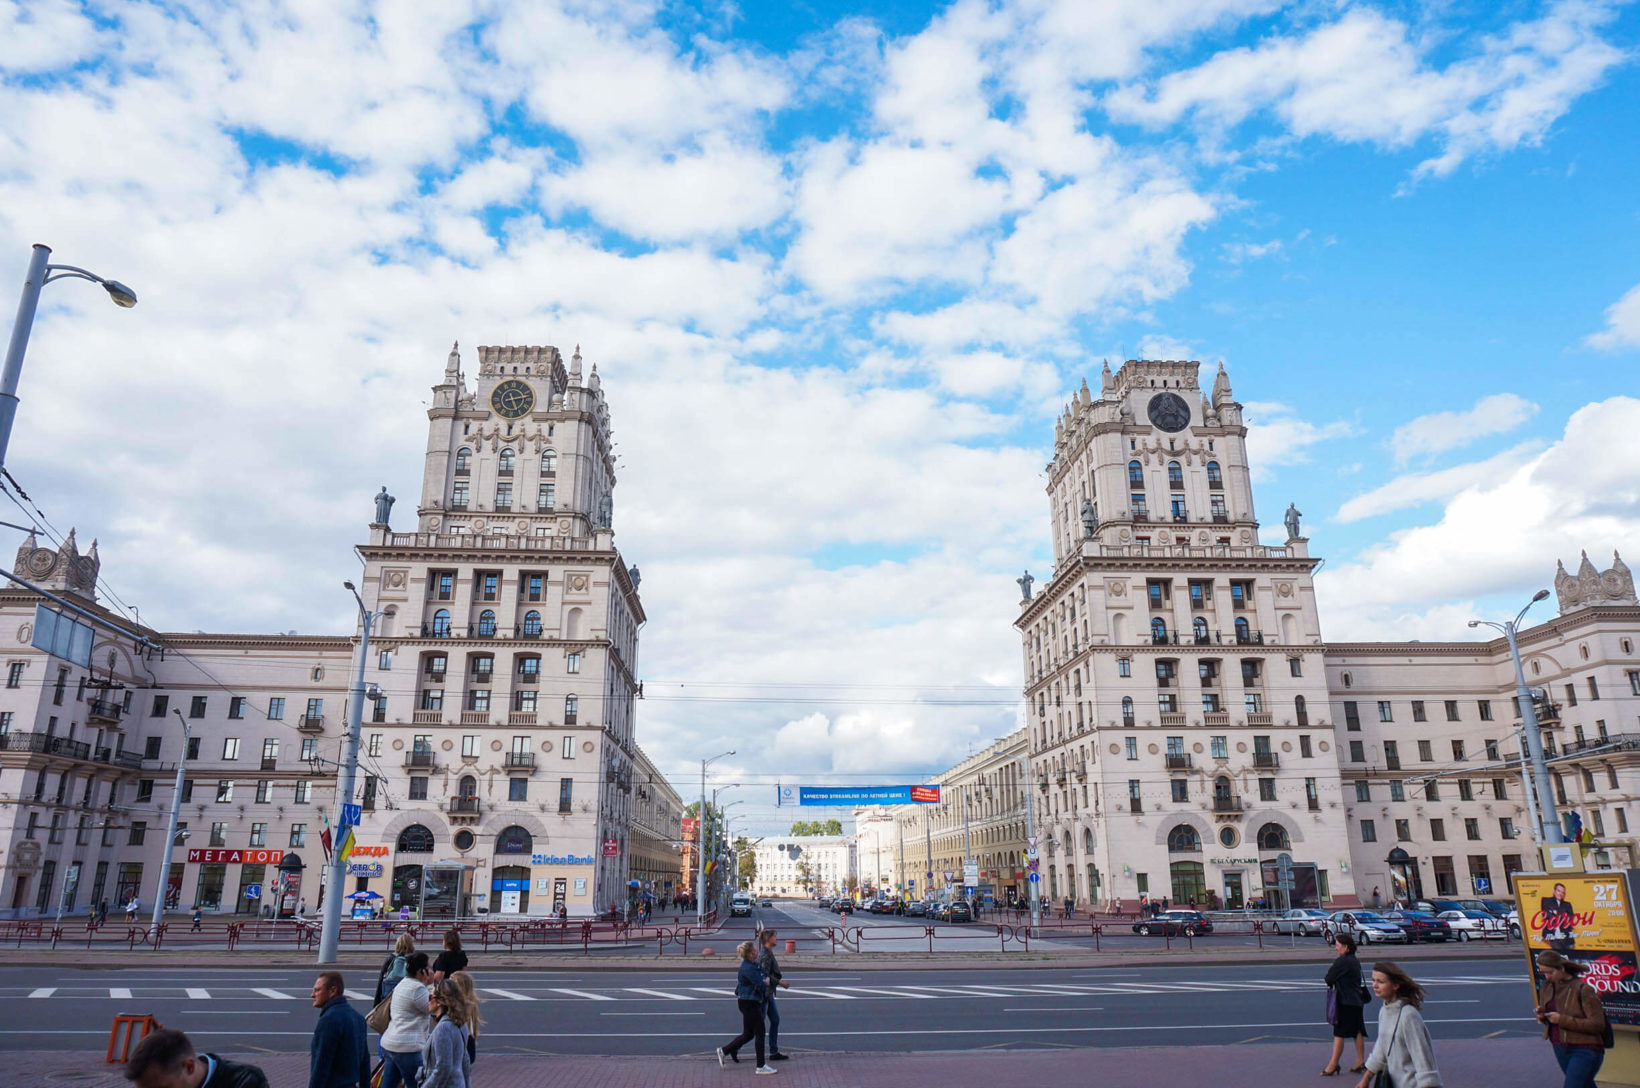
123,296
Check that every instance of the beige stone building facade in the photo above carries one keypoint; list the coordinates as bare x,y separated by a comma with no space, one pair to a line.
799,865
499,769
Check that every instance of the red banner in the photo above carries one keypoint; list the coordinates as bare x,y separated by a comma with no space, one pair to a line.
233,857
925,795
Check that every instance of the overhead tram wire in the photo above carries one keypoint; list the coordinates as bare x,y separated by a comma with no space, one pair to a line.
52,533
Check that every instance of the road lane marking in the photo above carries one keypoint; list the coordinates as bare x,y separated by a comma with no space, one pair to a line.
888,993
117,993
197,994
507,994
658,993
966,993
355,995
581,993
1068,1008
710,990
275,994
655,1012
828,993
44,991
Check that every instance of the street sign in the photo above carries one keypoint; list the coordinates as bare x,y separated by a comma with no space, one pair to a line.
351,815
612,848
1032,852
1035,878
1031,840
253,891
1032,864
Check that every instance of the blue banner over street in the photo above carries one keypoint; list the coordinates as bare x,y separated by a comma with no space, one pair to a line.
857,795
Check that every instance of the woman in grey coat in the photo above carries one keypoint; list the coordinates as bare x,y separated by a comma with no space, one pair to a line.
1402,1046
444,1060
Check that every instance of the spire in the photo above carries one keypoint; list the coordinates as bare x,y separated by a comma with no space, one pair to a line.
1083,396
452,366
575,363
72,548
1221,387
1107,382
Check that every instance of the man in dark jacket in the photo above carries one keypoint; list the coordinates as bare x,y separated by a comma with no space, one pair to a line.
338,1056
166,1059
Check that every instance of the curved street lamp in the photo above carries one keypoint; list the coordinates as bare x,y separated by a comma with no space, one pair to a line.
700,839
41,273
1549,830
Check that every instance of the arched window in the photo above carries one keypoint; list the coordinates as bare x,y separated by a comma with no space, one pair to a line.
1189,882
1136,474
1244,630
1127,710
441,623
1184,840
1158,631
1198,627
415,839
1221,788
572,705
1215,479
486,623
506,462
514,840
1273,836
549,463
1301,711
532,623
1175,475
468,786
463,456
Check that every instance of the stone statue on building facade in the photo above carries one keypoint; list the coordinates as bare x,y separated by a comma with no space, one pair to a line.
1025,582
1090,518
1291,518
384,506
606,511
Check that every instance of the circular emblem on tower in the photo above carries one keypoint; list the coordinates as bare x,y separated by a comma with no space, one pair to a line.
513,398
1169,412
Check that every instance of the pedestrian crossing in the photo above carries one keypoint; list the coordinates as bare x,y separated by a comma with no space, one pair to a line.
819,990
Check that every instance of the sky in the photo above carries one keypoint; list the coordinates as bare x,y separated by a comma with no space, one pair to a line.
840,265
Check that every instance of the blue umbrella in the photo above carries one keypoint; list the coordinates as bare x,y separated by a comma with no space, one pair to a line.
365,895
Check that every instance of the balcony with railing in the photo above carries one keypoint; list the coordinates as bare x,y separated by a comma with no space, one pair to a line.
475,717
520,761
1260,717
1216,717
1249,638
1548,714
526,631
1178,761
427,717
104,711
1227,804
415,760
269,763
1266,760
529,678
464,809
311,723
1172,720
489,542
523,717
1392,763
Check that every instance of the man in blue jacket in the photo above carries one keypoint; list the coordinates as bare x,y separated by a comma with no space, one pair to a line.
339,1056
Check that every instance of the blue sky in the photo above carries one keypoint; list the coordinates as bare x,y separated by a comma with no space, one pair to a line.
839,266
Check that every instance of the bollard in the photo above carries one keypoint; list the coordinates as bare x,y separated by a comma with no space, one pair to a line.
791,946
130,1023
707,951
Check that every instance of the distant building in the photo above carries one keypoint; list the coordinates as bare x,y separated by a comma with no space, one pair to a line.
799,865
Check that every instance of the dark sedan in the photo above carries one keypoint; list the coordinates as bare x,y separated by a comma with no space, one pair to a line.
1174,923
843,906
1420,925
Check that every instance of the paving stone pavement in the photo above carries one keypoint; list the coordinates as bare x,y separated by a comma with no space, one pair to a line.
1493,1063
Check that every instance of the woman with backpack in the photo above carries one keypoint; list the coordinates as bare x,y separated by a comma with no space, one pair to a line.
393,968
1346,1000
1573,1019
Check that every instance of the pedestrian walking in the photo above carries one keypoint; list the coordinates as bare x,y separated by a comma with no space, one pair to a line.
166,1059
394,967
770,967
445,1061
102,912
1573,1019
751,987
199,916
1070,905
452,959
339,1055
469,991
1402,1048
411,1023
1346,1002
1377,897
132,908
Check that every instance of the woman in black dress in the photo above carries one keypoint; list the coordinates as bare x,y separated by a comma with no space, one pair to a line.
1344,979
452,959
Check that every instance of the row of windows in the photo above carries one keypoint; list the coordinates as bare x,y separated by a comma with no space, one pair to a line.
482,666
1437,828
441,585
1386,712
546,496
506,462
485,627
197,707
1175,475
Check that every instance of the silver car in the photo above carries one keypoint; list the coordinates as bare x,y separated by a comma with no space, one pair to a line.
1304,921
1366,926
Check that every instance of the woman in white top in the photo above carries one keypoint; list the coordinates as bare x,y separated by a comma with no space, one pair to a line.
412,1020
1402,1047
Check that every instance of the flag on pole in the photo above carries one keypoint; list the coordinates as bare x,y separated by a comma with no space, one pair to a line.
348,842
324,836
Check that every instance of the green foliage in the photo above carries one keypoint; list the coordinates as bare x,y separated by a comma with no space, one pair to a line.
804,828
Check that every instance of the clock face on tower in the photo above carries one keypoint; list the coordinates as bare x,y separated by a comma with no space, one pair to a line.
512,398
1169,412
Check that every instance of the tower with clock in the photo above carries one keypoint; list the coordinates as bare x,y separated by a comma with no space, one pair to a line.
1178,700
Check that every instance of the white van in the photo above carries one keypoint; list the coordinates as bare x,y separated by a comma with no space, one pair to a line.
742,904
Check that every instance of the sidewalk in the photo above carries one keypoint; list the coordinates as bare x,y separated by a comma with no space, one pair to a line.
1497,1063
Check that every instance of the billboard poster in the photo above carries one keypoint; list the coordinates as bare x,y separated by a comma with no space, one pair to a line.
857,795
1588,917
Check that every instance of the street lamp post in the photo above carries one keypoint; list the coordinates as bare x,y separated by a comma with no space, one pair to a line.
331,933
700,841
171,830
39,274
1549,830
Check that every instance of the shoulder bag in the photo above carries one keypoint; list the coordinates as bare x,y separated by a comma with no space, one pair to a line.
1332,1004
1382,1079
380,1016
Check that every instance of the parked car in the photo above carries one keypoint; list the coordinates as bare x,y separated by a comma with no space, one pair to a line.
1475,925
1496,906
916,908
1366,926
1512,921
1304,921
958,910
1420,926
1173,923
824,902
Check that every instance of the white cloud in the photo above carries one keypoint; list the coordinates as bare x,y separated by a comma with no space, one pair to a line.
1237,252
1498,536
1622,324
44,34
1277,436
1441,431
1416,488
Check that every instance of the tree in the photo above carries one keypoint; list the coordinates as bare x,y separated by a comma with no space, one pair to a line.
805,874
747,861
805,828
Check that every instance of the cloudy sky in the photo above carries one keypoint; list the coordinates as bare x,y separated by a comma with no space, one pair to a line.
839,264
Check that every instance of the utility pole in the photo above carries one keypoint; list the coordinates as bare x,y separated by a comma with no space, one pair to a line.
700,843
330,933
1030,837
1548,820
928,847
1526,785
171,826
899,827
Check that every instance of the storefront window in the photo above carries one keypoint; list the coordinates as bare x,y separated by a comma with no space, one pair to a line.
211,879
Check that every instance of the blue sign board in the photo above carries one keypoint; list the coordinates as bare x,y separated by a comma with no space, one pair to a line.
1036,877
351,815
253,891
510,886
857,795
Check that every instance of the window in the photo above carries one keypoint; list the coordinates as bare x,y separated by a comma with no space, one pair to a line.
489,586
1499,790
518,789
1295,666
1397,791
458,495
415,839
1594,689
1452,710
549,462
1127,710
1437,829
532,586
276,709
1124,666
568,750
571,705
1215,479
196,707
1492,751
162,704
478,700
1273,836
1220,747
1403,830
378,709
1369,832
1352,717
315,709
219,834
469,746
1131,745
1485,706
187,791
1385,713
572,663
145,789
1457,750
524,701
1392,755
1425,753
546,498
1506,826
505,464
1266,789
418,787
1571,694
441,624
1181,789
1466,790
224,791
462,456
298,835
1167,704
1432,790
139,832
1634,681
1134,802
14,675
1363,791
1158,631
1622,821
1418,714
230,748
236,706
259,834
1357,754
304,792
1472,829
486,623
566,794
1136,474
310,747
1611,776
264,791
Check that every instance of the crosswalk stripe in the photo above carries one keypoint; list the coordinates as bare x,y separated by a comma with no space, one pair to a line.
834,997
275,994
712,991
889,993
118,994
582,993
44,991
966,993
659,993
508,994
355,995
196,994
